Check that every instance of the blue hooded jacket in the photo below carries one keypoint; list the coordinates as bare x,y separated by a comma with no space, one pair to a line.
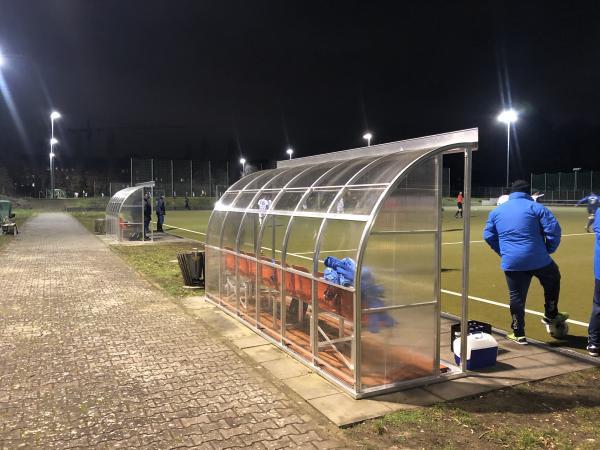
597,251
524,233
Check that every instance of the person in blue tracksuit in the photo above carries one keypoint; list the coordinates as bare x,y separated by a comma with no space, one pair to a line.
593,202
594,327
525,233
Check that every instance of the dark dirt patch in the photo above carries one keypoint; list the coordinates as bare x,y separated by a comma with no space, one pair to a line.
560,412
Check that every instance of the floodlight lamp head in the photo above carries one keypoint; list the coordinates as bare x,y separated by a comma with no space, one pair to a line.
55,115
367,136
53,141
508,116
289,151
242,161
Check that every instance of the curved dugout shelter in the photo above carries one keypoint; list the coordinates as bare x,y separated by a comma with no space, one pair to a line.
125,213
336,259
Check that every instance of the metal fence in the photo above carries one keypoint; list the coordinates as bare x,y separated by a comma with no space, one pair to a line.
565,186
179,178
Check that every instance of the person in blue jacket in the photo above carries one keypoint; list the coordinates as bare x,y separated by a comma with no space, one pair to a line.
160,213
593,202
594,327
525,233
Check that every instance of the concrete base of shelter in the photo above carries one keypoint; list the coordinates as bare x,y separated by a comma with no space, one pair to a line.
516,364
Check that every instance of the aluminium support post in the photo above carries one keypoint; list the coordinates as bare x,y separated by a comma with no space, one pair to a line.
464,326
439,187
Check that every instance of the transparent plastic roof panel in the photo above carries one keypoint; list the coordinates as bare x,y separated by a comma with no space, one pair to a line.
335,258
125,213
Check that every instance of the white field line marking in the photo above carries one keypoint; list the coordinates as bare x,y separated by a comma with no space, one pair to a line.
184,229
564,235
460,242
491,302
298,255
329,251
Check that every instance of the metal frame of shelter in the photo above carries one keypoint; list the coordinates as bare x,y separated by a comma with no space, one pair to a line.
269,234
125,213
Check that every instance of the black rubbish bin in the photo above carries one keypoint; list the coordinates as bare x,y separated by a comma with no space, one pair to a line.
191,265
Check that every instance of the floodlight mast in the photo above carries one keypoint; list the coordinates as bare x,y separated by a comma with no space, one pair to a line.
368,137
576,170
243,163
53,142
54,115
290,152
508,116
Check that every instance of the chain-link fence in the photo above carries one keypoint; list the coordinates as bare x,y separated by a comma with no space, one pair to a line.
565,186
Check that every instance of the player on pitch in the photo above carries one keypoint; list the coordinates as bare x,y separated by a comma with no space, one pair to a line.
593,202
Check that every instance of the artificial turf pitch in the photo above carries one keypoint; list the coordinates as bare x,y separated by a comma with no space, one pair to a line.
574,257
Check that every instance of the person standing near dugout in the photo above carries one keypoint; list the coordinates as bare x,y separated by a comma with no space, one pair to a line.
593,347
147,215
525,233
160,213
459,205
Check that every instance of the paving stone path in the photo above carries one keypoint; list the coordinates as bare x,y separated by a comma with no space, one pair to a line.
91,355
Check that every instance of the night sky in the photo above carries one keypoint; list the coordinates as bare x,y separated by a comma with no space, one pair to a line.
216,79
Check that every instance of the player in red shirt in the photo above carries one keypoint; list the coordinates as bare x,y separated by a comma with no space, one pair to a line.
459,202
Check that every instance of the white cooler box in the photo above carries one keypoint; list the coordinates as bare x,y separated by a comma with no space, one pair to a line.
482,350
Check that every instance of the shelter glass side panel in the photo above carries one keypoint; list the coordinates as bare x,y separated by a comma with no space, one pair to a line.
335,325
411,206
269,274
231,288
300,256
216,261
248,239
398,278
212,271
132,216
397,345
213,233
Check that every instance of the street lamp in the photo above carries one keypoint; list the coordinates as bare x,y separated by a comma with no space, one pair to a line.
243,163
508,116
290,152
53,116
368,137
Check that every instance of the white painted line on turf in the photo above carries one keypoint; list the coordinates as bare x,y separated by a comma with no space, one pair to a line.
579,234
184,229
460,242
329,251
478,242
503,305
